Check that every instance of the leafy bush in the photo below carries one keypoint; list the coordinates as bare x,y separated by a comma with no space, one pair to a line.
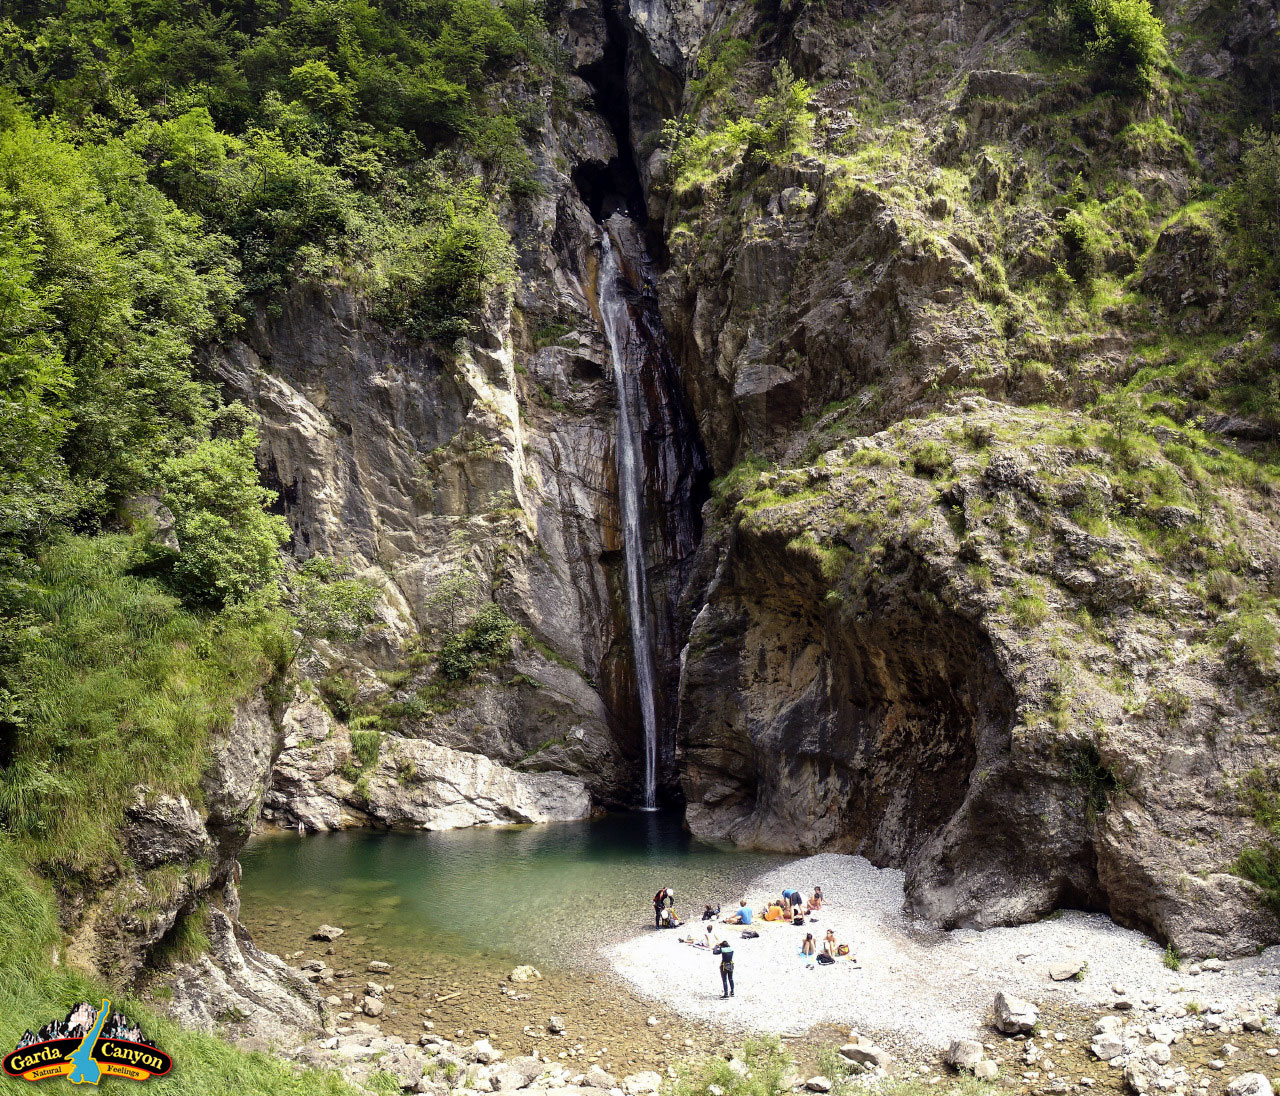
107,286
485,640
340,693
1253,203
1255,637
440,270
228,545
1123,39
330,603
1261,865
778,124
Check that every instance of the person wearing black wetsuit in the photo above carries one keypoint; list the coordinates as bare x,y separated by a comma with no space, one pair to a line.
726,969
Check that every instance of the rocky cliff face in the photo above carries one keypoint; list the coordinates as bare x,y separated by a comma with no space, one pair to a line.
182,876
934,666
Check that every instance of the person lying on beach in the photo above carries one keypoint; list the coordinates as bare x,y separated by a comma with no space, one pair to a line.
809,947
742,917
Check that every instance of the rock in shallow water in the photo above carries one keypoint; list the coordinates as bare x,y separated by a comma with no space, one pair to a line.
964,1053
1014,1015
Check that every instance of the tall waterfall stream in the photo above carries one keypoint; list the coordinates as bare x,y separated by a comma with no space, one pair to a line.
623,346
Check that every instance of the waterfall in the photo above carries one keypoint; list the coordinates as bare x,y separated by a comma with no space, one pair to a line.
625,348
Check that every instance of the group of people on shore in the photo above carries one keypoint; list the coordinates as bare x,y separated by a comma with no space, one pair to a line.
791,906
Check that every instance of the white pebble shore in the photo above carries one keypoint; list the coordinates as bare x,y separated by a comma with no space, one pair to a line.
925,987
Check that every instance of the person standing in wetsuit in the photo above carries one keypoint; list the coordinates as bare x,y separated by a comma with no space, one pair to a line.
726,969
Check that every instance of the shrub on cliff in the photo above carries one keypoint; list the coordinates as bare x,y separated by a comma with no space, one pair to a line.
1253,205
1123,39
776,125
438,272
486,639
228,544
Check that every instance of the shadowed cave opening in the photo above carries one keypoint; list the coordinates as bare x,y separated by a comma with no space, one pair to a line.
612,187
853,729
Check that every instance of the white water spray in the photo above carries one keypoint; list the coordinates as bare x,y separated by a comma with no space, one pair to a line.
623,347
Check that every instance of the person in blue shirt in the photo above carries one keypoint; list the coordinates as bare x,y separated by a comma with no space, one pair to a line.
793,896
742,917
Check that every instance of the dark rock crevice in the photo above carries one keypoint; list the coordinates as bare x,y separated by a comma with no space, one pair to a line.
612,187
853,729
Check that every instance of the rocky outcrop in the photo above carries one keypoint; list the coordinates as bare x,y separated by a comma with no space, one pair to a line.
412,784
952,668
242,991
181,852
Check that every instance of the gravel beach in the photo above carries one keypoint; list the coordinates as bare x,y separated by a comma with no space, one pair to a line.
925,987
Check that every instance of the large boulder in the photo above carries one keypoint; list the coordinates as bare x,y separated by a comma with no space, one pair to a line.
1250,1084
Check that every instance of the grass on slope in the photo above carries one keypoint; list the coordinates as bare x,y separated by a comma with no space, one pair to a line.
112,683
33,991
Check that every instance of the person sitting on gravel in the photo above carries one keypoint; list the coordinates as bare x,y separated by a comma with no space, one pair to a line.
810,946
773,913
710,913
829,944
815,903
742,917
668,919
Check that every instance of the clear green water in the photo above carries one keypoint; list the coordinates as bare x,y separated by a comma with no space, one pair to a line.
549,894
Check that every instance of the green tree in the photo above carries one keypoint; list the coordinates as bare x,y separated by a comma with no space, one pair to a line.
1253,202
330,603
454,592
1123,39
784,115
228,545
